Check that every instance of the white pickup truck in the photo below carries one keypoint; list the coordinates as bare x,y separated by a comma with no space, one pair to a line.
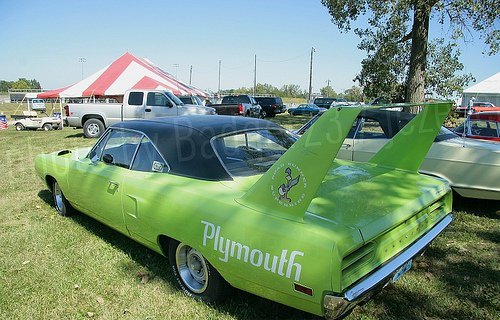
94,118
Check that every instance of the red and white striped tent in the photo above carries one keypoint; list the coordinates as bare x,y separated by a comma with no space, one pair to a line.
127,72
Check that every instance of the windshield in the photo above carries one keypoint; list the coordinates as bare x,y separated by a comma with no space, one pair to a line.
252,152
172,97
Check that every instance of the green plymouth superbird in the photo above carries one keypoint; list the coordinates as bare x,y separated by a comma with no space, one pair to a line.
234,201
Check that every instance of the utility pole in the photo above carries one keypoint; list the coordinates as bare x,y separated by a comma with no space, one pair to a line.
190,74
311,75
328,82
255,75
82,61
218,91
176,66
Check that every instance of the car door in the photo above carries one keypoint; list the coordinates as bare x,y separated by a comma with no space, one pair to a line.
368,140
143,190
159,105
96,181
347,147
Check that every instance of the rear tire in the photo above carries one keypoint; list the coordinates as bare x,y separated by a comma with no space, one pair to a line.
93,128
63,207
196,277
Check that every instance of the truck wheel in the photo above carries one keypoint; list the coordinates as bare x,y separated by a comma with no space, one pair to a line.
194,274
93,128
47,127
263,114
19,127
63,207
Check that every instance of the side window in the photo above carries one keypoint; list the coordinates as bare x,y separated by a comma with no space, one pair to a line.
148,159
120,148
157,99
370,129
135,98
484,128
96,152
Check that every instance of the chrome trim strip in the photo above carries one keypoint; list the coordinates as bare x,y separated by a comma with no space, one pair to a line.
390,267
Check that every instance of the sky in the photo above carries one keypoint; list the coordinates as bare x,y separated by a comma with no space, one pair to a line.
45,39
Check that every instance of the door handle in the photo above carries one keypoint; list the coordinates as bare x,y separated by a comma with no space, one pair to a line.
113,184
346,145
147,110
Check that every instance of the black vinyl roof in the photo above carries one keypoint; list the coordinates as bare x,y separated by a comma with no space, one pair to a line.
184,141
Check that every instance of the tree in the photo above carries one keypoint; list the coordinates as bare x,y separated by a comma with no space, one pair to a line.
22,83
328,92
399,29
292,90
5,85
34,84
353,94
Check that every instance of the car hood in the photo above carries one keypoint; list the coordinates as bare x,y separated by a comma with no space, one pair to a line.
196,109
373,198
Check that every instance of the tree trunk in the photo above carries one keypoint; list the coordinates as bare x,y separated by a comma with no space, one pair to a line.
415,88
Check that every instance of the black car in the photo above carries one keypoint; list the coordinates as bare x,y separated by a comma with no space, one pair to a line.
327,102
271,105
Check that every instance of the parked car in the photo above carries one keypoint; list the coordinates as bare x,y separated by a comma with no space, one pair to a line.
194,100
471,166
29,120
477,106
225,198
329,102
271,106
37,104
94,118
239,105
305,109
483,125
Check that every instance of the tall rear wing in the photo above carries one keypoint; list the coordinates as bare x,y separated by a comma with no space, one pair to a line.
289,186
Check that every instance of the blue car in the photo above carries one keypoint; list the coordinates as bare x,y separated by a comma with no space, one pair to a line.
307,109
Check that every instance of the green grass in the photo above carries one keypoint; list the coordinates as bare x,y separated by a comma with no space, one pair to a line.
76,268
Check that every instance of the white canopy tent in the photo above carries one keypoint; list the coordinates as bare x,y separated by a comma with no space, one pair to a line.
487,90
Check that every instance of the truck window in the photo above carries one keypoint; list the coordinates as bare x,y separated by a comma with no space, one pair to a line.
135,98
236,99
158,99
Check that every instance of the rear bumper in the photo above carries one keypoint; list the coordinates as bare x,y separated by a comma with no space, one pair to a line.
363,290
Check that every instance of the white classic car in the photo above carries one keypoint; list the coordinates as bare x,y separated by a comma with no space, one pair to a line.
471,166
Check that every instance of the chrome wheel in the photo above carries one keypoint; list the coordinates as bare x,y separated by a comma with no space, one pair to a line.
192,268
58,198
93,129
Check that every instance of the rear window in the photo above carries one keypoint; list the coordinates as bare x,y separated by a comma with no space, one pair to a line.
252,152
323,100
236,99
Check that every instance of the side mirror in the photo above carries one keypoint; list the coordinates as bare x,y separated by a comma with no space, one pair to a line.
107,158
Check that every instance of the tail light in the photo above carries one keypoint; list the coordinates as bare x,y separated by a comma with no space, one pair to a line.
240,109
275,106
66,110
